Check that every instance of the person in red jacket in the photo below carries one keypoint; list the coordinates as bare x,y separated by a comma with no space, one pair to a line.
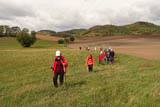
90,62
59,68
100,58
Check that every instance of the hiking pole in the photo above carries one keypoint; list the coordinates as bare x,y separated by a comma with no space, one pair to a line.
65,80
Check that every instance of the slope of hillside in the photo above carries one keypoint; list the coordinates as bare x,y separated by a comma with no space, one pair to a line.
138,28
26,80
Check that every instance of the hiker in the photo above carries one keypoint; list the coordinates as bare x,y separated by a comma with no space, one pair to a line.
101,52
59,68
95,48
100,58
90,62
80,48
108,55
104,55
101,49
112,56
88,49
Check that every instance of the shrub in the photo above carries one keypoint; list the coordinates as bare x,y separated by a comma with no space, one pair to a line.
61,41
72,38
25,39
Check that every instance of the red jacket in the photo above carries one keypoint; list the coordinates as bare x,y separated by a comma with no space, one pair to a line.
89,60
62,61
100,57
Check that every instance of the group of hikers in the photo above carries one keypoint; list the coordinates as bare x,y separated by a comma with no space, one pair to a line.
60,64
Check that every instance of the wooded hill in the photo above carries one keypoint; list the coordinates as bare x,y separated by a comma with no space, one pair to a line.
138,28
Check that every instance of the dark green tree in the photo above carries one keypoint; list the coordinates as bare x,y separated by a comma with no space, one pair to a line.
72,38
25,39
61,41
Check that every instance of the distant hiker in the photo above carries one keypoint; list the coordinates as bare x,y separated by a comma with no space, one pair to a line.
108,55
100,58
112,56
59,68
80,48
88,49
101,49
90,62
95,48
104,55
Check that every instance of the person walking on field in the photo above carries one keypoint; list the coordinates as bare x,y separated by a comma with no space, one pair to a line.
100,58
108,55
90,62
112,56
59,68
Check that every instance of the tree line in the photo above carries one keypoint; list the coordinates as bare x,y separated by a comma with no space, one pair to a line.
9,31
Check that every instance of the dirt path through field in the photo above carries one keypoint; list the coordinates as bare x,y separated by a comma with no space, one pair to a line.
142,46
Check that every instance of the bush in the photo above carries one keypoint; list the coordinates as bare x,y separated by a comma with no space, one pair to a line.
25,39
72,38
61,41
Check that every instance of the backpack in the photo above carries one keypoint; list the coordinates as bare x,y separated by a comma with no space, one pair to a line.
108,54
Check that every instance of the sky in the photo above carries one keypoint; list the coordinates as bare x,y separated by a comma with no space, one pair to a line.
61,15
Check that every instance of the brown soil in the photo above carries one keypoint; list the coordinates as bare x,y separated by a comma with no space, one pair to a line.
146,46
48,37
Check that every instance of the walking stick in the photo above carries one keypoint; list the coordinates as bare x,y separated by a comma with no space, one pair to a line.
64,68
65,80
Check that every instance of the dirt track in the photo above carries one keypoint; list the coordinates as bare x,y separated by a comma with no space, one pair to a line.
142,46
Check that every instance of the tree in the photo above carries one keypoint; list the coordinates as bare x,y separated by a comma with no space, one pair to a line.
72,38
25,39
61,41
33,33
15,30
25,30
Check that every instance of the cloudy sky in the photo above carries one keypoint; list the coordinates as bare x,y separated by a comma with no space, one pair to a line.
62,15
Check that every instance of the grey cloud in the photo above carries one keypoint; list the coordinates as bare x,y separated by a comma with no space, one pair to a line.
10,12
65,17
155,12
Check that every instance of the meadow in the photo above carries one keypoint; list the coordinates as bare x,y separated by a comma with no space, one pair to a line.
26,78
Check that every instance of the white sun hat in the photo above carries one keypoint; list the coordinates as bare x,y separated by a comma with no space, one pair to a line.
58,53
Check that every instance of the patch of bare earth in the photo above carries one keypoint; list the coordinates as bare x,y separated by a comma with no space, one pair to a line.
146,46
48,37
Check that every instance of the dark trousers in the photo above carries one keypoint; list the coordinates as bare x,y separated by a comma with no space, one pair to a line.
112,59
108,59
100,62
90,68
56,77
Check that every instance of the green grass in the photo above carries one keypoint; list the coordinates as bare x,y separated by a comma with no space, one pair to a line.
11,43
26,80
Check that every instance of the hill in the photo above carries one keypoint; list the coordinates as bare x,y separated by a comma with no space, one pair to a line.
138,28
46,32
73,32
26,79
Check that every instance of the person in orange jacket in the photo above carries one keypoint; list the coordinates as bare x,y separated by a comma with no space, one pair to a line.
90,62
59,68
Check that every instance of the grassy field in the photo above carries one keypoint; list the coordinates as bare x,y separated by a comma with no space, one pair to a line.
26,79
11,43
